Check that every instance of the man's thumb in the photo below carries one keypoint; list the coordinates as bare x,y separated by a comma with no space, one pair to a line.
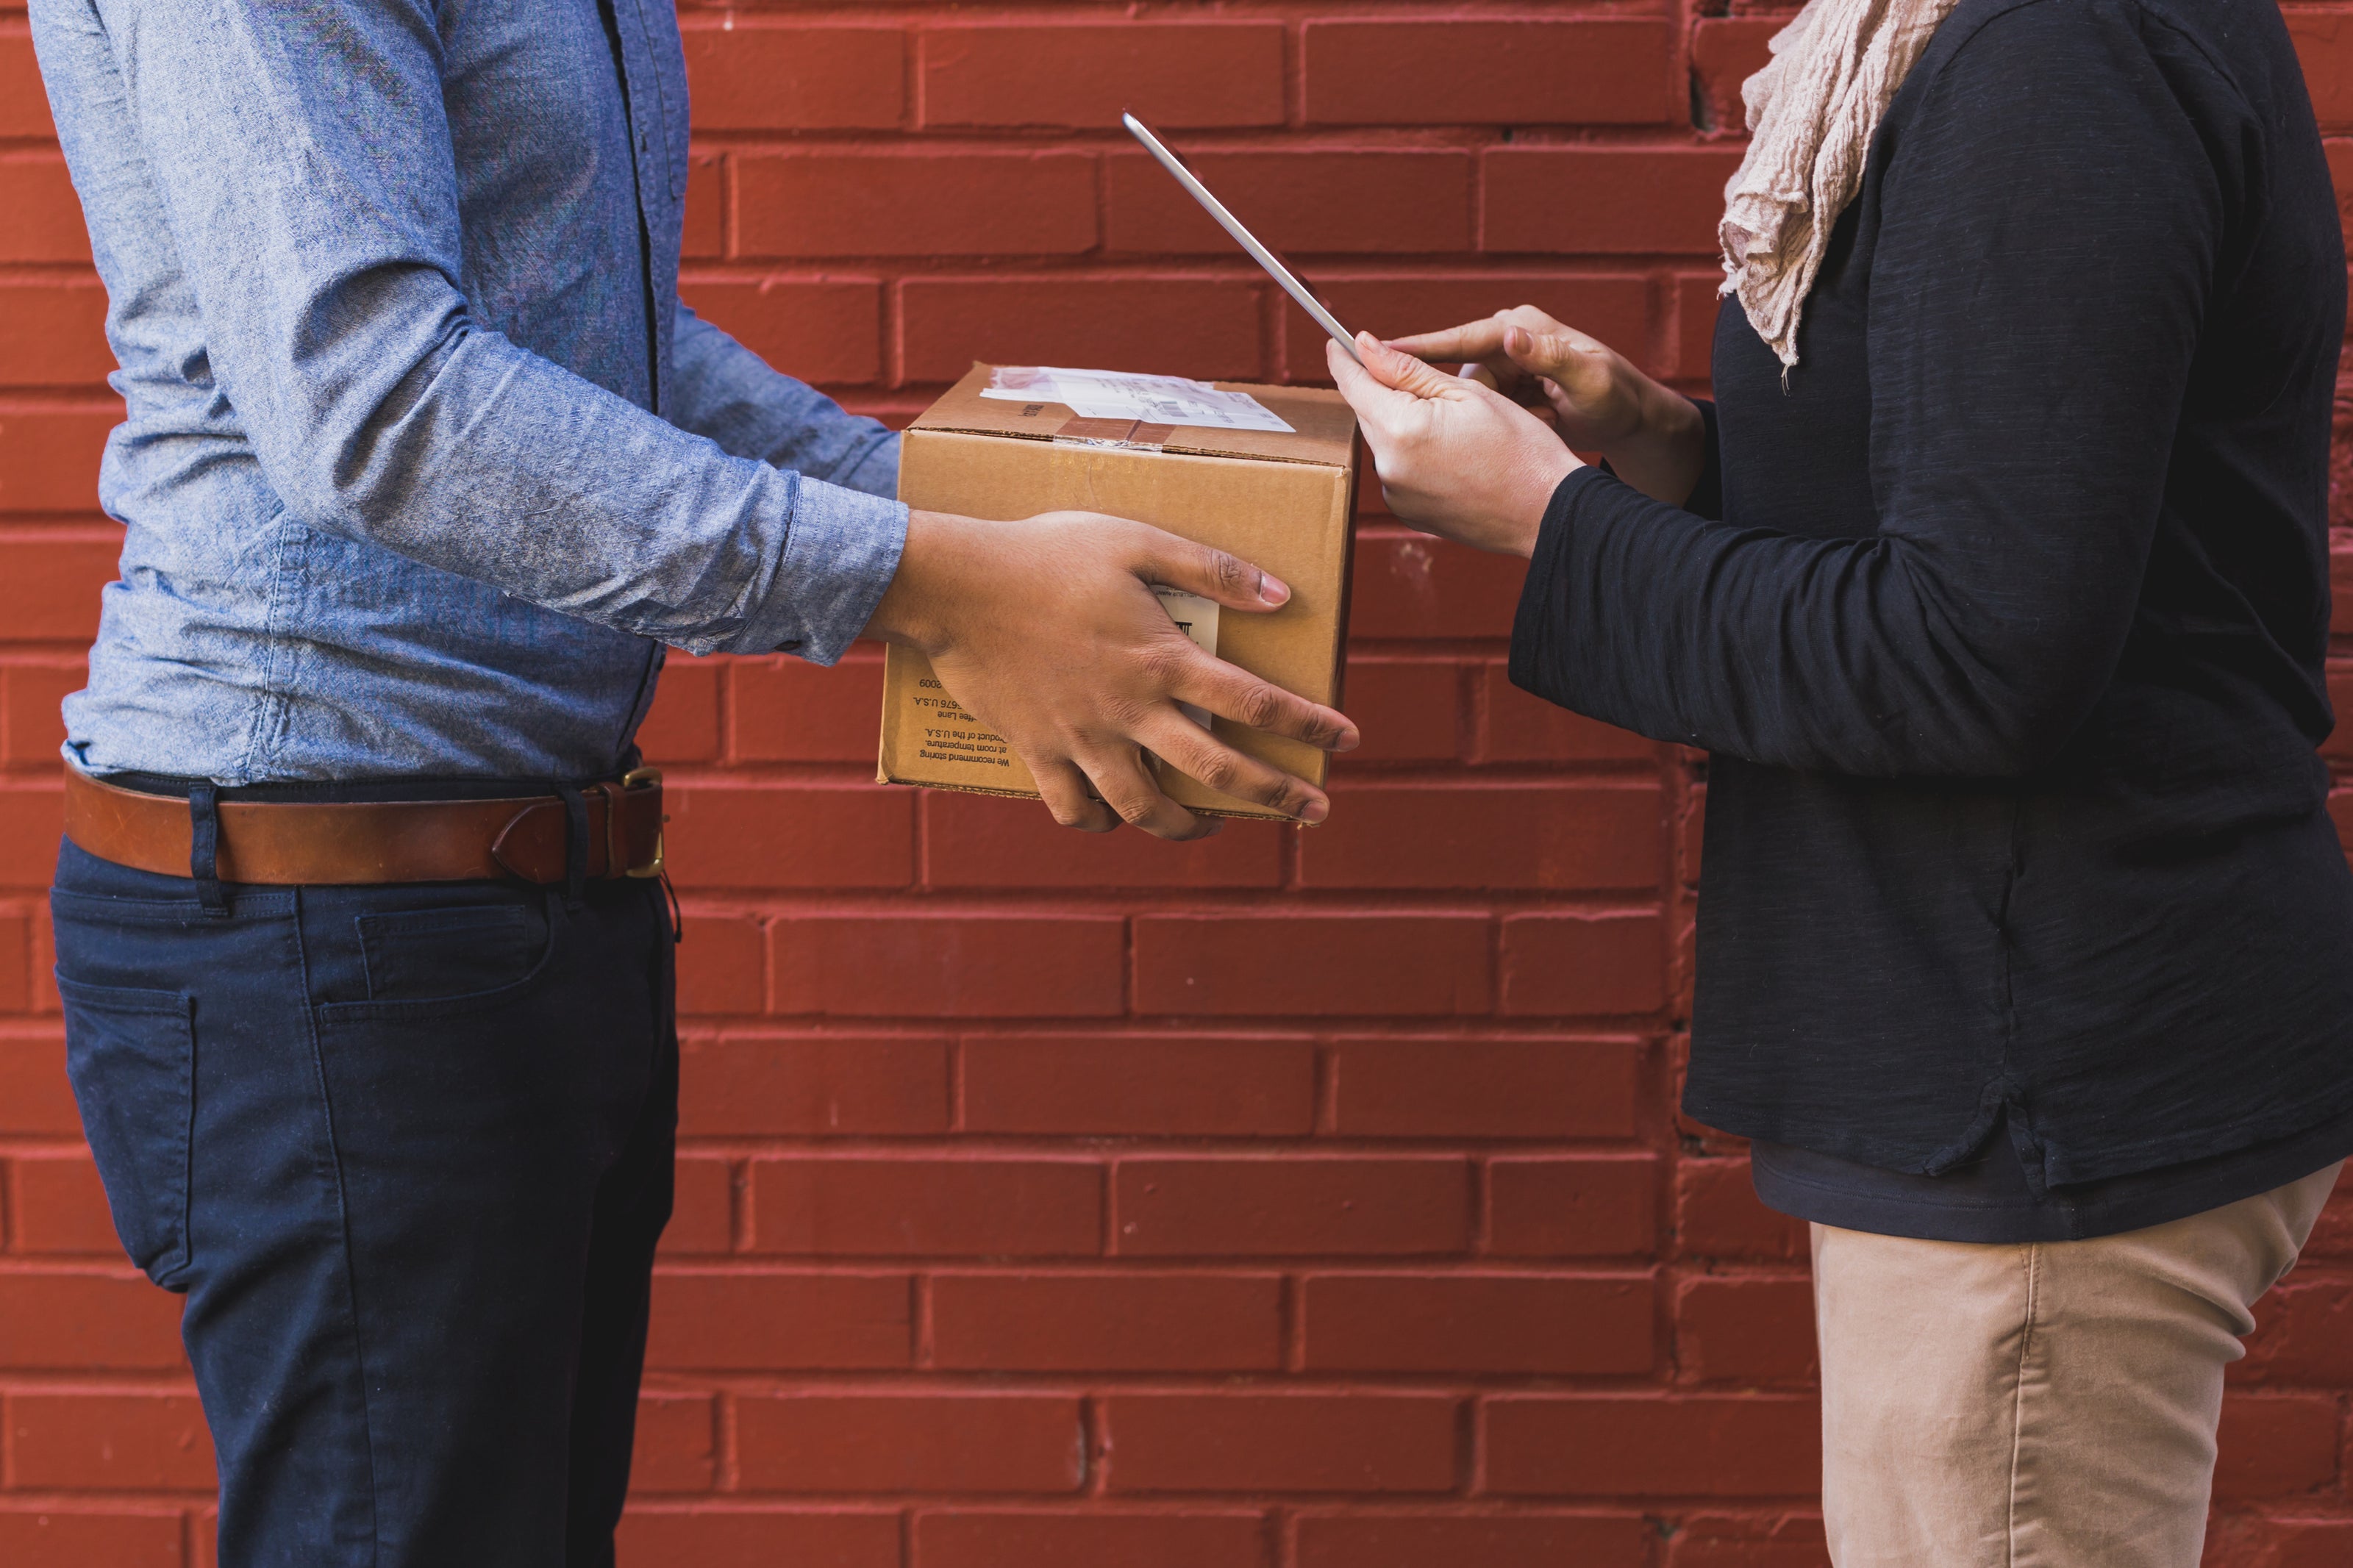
1213,573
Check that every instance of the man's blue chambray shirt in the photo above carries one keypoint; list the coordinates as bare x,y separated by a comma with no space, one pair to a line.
424,462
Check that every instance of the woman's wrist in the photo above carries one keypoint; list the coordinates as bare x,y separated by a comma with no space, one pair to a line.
1544,478
1666,452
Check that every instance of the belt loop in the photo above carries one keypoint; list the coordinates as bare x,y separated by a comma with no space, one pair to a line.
617,852
576,844
204,848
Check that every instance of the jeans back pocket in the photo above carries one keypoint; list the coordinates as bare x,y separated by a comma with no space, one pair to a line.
131,1055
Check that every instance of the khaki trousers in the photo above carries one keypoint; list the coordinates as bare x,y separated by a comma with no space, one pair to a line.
2044,1405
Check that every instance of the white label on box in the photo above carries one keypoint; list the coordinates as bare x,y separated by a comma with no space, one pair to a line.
1153,399
1198,618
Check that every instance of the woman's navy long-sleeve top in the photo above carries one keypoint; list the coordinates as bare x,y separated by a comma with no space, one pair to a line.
2004,621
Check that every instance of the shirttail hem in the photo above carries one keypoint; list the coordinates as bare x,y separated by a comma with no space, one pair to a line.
2060,1168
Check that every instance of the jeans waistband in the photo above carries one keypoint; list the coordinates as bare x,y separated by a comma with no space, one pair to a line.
366,791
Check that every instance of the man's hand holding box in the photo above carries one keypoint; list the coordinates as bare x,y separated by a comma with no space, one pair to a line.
1249,509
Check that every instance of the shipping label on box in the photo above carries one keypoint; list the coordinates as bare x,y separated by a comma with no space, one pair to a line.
1268,474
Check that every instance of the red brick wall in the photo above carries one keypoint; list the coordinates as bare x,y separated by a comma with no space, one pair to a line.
1296,1200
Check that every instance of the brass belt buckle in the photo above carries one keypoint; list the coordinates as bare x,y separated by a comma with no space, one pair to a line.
647,778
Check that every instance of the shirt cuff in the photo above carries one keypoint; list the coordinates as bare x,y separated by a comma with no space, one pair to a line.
840,554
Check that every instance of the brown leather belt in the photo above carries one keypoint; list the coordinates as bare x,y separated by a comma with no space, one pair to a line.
325,843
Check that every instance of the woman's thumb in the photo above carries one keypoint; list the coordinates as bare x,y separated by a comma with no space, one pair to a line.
1539,354
1401,371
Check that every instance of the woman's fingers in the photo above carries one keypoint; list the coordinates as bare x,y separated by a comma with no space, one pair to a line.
1536,353
1559,357
1403,372
1379,406
1482,340
1523,345
1356,381
1390,391
1567,362
1577,376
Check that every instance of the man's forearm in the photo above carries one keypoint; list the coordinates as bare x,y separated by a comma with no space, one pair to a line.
723,390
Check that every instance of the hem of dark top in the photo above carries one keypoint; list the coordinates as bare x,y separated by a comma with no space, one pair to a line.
1922,1218
2063,1168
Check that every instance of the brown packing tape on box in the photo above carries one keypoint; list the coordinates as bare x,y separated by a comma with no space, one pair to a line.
1283,501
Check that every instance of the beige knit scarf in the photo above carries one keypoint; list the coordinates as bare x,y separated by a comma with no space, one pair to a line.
1812,110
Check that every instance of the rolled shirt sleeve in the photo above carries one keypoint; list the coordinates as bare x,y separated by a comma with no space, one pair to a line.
848,529
840,554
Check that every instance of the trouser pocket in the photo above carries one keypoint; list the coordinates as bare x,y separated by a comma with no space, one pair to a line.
131,1054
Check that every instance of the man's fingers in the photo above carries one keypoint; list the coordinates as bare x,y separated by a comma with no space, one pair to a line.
1064,790
1128,787
1236,694
1195,752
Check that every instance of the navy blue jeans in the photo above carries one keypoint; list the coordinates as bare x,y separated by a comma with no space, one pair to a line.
408,1151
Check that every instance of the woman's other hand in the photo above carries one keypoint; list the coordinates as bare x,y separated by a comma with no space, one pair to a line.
1455,456
1600,402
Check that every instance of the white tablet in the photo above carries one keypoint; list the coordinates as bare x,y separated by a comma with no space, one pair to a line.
1275,267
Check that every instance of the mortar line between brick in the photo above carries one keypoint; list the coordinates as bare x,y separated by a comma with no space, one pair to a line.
913,49
1477,1194
1127,963
1468,1458
1326,1090
741,1239
1094,1459
1294,74
958,1119
729,1465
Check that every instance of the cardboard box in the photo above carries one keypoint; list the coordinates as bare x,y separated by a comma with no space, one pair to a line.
1284,502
